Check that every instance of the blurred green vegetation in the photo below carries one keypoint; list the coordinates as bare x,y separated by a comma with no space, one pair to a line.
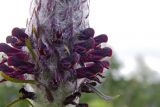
139,90
8,93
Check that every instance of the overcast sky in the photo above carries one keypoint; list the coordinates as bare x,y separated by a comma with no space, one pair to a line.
133,26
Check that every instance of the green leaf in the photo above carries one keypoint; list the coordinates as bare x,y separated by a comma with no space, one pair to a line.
29,46
8,78
18,100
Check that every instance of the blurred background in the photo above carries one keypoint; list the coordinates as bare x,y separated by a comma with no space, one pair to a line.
133,30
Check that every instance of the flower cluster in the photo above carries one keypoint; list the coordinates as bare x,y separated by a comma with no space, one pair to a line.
15,64
91,58
78,58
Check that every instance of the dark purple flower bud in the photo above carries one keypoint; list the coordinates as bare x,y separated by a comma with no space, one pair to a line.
15,42
83,73
82,105
8,49
21,64
86,34
84,46
11,39
89,71
19,33
89,32
5,68
100,39
103,52
90,58
96,54
12,72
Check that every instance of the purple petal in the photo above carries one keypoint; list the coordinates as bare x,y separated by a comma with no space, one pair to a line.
89,32
16,62
100,39
81,74
86,34
10,71
19,33
84,46
101,52
5,68
11,39
96,68
90,58
89,71
96,54
15,42
8,49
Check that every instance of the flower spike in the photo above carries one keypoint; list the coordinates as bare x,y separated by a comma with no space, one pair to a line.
53,63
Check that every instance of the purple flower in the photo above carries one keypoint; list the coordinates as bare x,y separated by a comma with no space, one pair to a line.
15,42
100,39
6,69
19,33
86,34
8,50
16,64
80,58
84,46
96,54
